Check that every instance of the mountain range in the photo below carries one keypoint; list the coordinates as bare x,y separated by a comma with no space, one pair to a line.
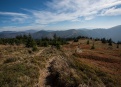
114,33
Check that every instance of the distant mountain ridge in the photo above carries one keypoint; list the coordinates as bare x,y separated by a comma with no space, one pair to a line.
114,33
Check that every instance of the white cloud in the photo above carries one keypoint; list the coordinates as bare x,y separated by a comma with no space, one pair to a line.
66,10
19,17
71,10
111,12
22,28
12,14
89,17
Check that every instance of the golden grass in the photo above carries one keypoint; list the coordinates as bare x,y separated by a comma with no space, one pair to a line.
19,67
104,57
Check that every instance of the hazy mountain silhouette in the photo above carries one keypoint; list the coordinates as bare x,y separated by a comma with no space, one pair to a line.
114,33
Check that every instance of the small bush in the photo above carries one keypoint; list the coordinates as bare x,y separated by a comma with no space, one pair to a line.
34,48
117,45
9,60
76,40
88,42
58,46
93,46
29,51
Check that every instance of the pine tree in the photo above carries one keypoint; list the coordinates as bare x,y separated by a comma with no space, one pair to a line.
30,42
45,44
58,46
54,36
75,40
117,44
93,46
103,40
34,48
87,41
110,42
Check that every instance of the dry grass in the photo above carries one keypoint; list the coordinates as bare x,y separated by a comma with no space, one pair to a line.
104,57
19,67
100,67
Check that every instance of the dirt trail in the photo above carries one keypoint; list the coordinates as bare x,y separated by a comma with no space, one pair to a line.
46,77
44,73
40,51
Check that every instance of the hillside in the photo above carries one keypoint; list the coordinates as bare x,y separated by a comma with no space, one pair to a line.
74,65
113,33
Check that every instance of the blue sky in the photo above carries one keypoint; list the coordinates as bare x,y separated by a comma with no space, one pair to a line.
19,15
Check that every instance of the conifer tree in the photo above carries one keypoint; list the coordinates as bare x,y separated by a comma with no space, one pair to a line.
103,40
110,42
93,46
87,41
117,44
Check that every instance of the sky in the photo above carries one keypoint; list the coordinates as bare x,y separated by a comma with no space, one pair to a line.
20,15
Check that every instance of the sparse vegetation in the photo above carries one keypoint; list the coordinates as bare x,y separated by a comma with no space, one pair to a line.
9,60
98,61
22,66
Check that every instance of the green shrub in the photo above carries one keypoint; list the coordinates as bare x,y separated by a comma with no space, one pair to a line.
87,41
93,46
34,48
29,51
58,46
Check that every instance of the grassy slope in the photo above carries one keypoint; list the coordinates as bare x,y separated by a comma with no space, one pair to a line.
19,67
102,63
99,67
